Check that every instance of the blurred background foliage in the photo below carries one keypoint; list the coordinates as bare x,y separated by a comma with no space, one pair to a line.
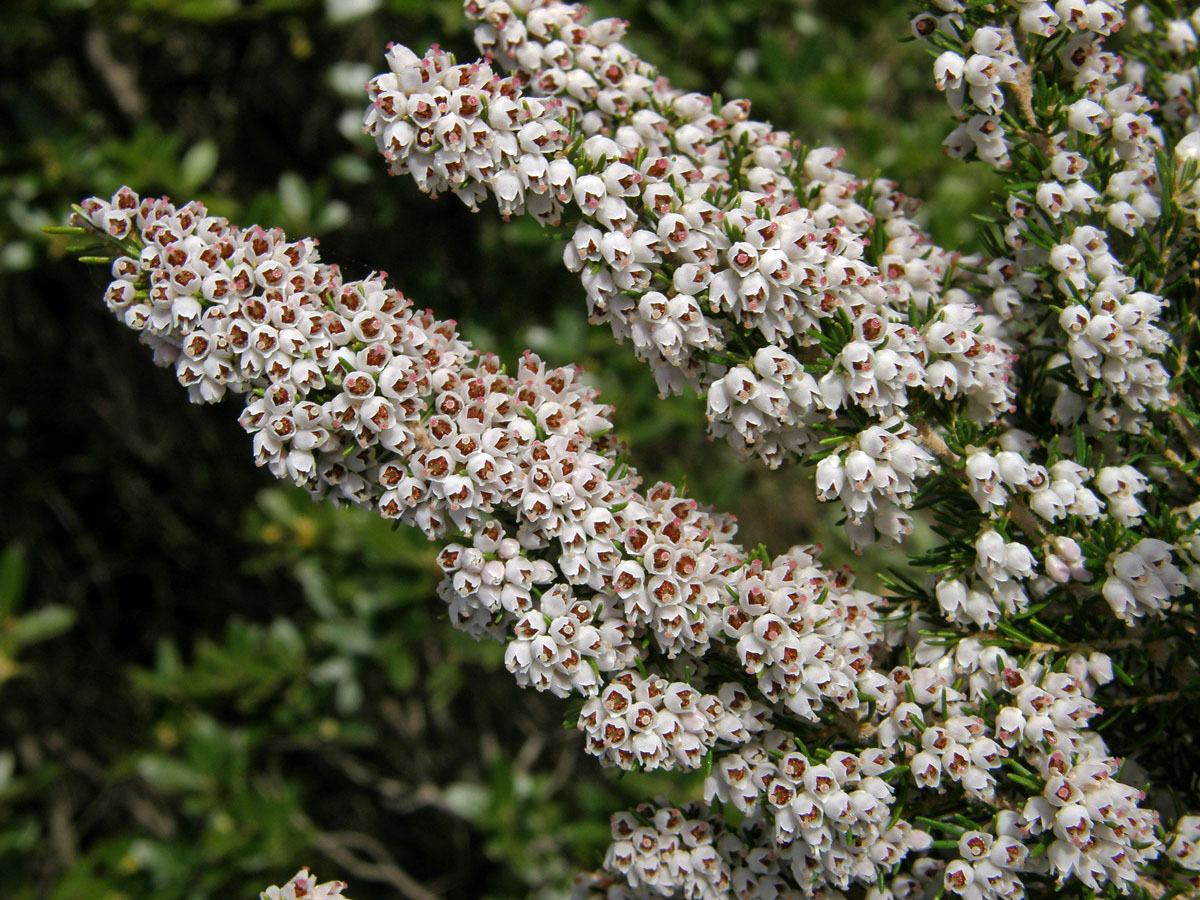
205,680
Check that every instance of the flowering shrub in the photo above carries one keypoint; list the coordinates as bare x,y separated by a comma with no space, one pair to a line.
978,729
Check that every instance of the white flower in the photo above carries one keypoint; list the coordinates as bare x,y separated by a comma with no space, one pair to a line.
303,886
1143,579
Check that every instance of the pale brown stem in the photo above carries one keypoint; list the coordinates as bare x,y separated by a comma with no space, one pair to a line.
1023,517
1024,93
935,444
1187,431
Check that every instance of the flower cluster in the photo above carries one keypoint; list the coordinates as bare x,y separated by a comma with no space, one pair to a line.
557,648
927,719
805,633
675,852
356,396
1171,45
1112,338
303,886
650,723
660,851
489,576
989,865
1099,831
1100,834
1142,579
1184,844
830,817
876,478
1060,225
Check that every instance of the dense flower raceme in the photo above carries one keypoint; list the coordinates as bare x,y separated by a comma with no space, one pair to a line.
1094,175
734,266
687,651
360,398
1095,166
